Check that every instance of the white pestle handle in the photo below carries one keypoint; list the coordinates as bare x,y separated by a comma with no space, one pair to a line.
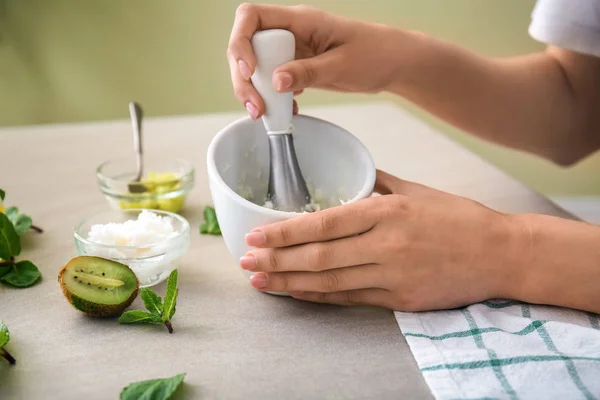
273,48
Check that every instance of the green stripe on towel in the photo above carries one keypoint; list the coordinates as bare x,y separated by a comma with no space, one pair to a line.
492,354
505,361
532,327
568,362
500,304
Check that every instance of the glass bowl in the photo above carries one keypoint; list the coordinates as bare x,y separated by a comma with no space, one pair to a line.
167,184
152,262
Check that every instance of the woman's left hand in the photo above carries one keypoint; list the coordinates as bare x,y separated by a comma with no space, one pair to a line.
413,248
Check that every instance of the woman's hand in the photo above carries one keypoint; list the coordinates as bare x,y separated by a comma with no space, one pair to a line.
332,52
414,248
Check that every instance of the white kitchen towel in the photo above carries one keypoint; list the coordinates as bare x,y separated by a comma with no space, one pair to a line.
505,349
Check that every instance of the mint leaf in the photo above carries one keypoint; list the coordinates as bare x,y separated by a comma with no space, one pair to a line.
4,334
22,274
152,302
11,212
4,338
12,226
211,225
21,222
159,312
10,244
154,389
171,296
139,316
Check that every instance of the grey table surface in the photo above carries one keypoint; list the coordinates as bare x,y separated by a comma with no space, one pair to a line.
232,341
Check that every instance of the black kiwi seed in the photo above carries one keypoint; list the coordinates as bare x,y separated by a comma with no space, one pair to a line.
89,284
80,281
75,277
103,274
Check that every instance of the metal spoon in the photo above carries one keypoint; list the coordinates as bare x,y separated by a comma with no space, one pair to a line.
287,188
135,112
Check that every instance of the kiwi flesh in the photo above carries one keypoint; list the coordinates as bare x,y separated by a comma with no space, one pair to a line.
98,286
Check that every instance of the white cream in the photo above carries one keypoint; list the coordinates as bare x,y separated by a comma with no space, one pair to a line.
147,229
152,256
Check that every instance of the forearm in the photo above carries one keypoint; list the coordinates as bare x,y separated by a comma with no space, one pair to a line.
558,262
525,102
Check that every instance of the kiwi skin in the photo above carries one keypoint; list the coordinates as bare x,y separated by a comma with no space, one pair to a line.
94,309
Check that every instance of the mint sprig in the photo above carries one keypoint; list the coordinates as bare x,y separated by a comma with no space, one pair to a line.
159,312
4,338
211,224
21,222
155,389
16,273
12,226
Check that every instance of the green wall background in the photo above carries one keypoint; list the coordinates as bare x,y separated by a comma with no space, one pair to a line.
83,60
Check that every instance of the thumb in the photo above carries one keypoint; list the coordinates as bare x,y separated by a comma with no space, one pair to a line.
389,184
300,74
385,183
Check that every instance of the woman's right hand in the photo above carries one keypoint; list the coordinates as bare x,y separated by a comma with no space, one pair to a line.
332,52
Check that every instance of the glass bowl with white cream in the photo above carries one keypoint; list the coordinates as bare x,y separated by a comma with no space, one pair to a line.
150,242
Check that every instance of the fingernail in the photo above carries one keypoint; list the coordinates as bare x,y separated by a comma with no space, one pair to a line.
259,280
284,80
256,238
244,69
252,110
296,294
248,262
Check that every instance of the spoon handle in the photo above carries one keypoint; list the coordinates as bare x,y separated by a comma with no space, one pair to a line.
135,112
272,48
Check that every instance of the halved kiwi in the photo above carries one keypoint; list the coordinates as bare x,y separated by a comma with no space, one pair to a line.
97,286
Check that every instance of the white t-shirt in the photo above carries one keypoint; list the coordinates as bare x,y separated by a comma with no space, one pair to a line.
570,24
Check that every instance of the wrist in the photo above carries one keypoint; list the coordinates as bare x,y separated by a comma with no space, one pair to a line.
509,254
555,261
407,45
420,63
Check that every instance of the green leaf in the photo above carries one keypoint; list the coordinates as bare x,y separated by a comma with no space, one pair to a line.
152,302
4,270
171,296
11,212
211,225
2,194
4,338
154,389
22,274
21,222
4,334
138,316
10,244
